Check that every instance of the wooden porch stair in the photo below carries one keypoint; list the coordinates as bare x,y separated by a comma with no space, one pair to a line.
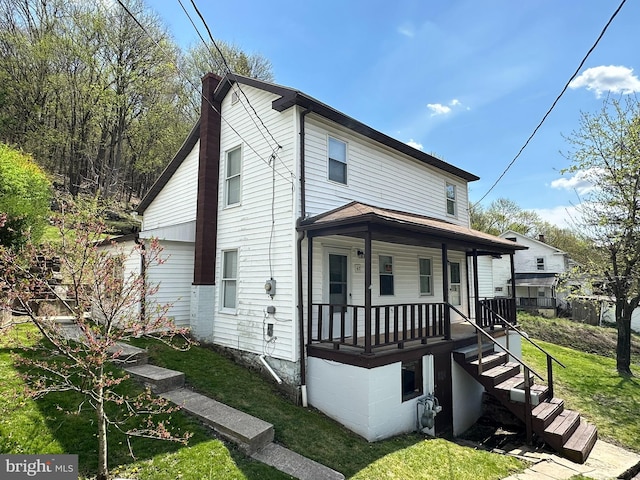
562,429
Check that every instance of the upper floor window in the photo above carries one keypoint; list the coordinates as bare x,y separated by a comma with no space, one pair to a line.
229,278
386,274
233,177
337,160
451,199
540,263
426,276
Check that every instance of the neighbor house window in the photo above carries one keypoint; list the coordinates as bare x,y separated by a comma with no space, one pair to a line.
451,199
337,160
411,379
540,263
426,276
229,278
386,275
232,177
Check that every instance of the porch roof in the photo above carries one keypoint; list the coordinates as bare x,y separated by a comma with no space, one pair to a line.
356,219
536,279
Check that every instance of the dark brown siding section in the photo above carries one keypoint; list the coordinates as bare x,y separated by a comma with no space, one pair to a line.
208,177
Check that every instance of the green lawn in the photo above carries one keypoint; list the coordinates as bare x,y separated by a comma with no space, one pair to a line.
39,426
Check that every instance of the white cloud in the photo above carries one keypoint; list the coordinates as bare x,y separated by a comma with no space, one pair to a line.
582,182
414,144
563,216
442,109
406,30
615,79
438,109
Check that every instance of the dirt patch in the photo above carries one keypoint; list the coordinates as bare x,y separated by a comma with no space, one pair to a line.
579,336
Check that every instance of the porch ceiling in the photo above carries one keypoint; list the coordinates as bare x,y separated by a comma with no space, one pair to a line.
357,219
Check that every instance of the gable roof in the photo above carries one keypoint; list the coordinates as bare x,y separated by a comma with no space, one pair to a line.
511,233
395,226
289,97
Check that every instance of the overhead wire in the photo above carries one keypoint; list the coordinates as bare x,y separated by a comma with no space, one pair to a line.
236,86
564,89
198,89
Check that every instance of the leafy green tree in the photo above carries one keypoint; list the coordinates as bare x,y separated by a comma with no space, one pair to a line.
502,215
25,195
606,152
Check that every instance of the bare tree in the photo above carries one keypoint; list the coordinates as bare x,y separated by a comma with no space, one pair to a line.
101,306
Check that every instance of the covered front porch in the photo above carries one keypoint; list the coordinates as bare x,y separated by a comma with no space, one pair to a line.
380,280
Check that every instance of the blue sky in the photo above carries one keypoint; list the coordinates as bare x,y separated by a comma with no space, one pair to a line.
466,80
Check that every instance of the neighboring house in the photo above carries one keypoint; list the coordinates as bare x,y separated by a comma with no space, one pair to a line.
335,256
540,275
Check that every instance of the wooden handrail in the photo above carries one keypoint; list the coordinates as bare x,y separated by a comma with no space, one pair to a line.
493,340
523,335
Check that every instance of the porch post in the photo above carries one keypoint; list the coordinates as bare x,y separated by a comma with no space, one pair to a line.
310,290
476,289
445,293
367,292
512,313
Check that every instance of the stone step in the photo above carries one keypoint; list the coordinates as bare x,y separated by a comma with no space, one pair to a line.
158,379
294,464
128,355
249,433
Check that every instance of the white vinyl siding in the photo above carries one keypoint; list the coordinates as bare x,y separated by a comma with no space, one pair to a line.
174,278
265,249
177,201
377,176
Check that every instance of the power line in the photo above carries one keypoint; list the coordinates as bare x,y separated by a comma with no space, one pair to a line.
575,74
198,89
227,68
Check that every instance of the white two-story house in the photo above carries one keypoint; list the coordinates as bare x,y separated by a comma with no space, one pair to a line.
540,272
335,256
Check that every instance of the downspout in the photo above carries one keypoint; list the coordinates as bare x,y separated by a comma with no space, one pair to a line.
143,274
301,235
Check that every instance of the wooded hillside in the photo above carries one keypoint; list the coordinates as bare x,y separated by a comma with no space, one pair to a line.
99,101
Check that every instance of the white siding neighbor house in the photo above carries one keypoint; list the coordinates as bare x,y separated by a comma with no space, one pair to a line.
539,274
334,256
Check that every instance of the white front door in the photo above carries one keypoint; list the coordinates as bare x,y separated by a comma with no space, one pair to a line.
337,291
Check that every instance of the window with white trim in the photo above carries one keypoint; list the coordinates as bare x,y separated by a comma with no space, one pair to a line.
426,276
540,263
233,177
451,199
455,290
229,279
386,274
337,160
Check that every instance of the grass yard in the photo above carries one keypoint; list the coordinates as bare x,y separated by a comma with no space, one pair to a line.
590,384
44,426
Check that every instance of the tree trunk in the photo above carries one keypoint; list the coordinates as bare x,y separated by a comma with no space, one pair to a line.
623,347
103,472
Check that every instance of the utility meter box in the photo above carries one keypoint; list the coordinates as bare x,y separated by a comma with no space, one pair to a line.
270,287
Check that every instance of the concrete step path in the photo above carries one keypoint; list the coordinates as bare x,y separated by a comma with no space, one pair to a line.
158,379
605,462
252,435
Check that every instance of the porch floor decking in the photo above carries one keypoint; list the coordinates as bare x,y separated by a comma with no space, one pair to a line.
460,331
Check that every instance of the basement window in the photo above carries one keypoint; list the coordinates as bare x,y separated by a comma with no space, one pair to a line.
411,380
